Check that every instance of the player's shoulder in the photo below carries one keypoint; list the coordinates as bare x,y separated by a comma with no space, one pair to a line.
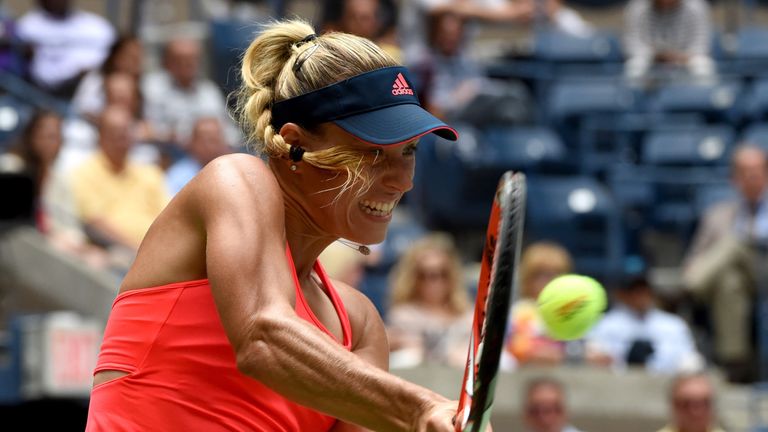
360,309
237,181
238,170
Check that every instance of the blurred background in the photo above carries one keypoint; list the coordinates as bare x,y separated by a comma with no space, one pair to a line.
642,126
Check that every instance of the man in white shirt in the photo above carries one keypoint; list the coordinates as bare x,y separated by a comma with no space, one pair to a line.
176,96
65,43
635,332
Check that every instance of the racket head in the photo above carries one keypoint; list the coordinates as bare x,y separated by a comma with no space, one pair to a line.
497,287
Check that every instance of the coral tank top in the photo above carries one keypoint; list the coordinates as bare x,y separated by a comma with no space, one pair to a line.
182,373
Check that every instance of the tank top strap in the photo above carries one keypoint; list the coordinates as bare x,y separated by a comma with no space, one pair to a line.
302,307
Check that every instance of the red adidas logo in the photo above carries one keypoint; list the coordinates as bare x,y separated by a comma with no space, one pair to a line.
400,87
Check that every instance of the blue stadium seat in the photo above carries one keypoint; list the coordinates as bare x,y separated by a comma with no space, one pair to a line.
756,134
569,99
716,101
14,115
554,45
754,105
523,148
708,145
579,213
228,41
711,194
750,44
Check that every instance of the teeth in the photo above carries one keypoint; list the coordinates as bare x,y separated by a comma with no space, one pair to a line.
377,208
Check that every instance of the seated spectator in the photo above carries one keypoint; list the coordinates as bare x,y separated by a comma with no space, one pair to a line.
675,34
692,404
206,144
35,155
544,408
718,268
430,317
414,19
125,56
365,18
453,85
176,96
528,342
637,333
117,200
66,43
566,20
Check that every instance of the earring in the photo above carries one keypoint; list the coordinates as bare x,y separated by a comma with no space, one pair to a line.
293,167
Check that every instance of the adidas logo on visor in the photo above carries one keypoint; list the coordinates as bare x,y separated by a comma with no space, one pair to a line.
400,87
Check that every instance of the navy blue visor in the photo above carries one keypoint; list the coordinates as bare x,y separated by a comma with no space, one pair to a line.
379,107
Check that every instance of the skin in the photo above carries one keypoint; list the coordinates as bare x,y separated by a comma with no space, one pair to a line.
239,200
692,405
750,173
360,18
46,139
549,415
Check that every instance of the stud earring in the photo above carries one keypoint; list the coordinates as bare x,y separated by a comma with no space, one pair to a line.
293,167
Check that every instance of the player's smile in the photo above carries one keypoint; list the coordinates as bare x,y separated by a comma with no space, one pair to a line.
379,209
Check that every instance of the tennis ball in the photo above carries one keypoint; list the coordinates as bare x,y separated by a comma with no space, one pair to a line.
570,304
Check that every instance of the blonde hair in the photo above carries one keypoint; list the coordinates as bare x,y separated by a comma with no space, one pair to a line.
269,76
542,256
404,276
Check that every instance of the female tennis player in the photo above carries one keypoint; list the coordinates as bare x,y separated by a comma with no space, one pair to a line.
226,321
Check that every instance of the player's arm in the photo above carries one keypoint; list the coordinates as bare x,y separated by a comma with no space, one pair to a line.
241,209
369,338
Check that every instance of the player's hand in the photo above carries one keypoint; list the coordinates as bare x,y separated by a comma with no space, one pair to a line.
441,418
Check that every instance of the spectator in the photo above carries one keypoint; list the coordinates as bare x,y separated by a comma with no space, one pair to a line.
178,95
671,33
636,333
65,42
430,316
692,404
544,407
125,56
366,18
414,19
718,268
206,144
453,85
117,199
528,342
35,155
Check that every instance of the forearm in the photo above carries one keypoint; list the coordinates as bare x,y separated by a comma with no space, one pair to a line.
301,363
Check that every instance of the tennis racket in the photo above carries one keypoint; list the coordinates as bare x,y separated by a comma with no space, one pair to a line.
495,291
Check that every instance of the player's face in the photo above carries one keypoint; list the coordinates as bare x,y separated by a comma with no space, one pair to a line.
360,214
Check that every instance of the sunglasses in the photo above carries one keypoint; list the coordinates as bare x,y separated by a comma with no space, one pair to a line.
432,274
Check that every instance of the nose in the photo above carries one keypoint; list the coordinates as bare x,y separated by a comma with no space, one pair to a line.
398,173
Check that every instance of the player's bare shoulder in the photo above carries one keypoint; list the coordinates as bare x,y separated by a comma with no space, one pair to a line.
236,181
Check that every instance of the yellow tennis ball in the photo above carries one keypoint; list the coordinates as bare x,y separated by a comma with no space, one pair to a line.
570,304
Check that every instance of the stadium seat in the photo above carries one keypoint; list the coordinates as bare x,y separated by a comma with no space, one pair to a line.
750,44
13,117
579,213
523,148
716,101
228,41
754,105
554,45
711,194
756,134
569,99
708,145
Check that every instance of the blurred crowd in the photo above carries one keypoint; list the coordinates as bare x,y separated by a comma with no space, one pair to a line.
131,136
